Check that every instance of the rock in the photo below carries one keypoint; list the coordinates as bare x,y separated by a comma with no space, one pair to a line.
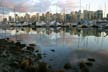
37,51
32,45
89,64
18,49
51,59
12,42
1,47
31,69
44,54
18,43
23,45
42,67
53,50
13,56
4,53
83,67
60,70
26,63
22,29
14,64
39,56
30,48
91,59
49,66
67,66
24,49
84,70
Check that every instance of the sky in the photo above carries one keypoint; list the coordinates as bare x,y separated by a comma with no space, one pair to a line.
22,6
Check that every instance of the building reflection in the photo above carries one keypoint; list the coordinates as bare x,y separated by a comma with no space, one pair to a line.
71,31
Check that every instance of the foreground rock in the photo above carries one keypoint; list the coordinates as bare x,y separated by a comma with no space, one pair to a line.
14,59
85,65
67,66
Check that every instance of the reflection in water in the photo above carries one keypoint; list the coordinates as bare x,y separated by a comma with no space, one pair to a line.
70,44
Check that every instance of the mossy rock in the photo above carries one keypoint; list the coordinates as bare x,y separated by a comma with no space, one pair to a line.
30,48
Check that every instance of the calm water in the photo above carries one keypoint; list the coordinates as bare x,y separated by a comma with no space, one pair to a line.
70,44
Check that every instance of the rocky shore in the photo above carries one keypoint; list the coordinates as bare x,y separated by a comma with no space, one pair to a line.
17,57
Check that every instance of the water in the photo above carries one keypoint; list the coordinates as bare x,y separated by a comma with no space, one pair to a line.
70,44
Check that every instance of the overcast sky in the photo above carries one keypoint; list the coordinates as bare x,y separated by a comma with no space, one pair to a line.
7,6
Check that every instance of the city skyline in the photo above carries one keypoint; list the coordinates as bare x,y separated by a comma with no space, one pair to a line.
60,17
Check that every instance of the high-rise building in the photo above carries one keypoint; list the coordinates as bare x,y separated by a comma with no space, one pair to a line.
4,19
42,17
21,19
33,18
16,17
88,15
37,17
74,16
10,19
99,14
107,16
27,17
48,16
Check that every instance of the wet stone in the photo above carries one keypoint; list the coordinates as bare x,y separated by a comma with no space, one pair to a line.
37,51
84,70
18,50
18,43
30,48
89,64
32,45
44,54
91,59
67,66
23,45
39,56
83,67
22,29
60,70
53,50
25,63
50,59
49,66
42,67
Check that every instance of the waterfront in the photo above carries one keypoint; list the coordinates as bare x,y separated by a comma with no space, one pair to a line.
65,45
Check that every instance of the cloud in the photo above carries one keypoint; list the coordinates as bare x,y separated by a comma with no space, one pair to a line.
11,5
67,4
26,5
34,5
4,10
41,6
